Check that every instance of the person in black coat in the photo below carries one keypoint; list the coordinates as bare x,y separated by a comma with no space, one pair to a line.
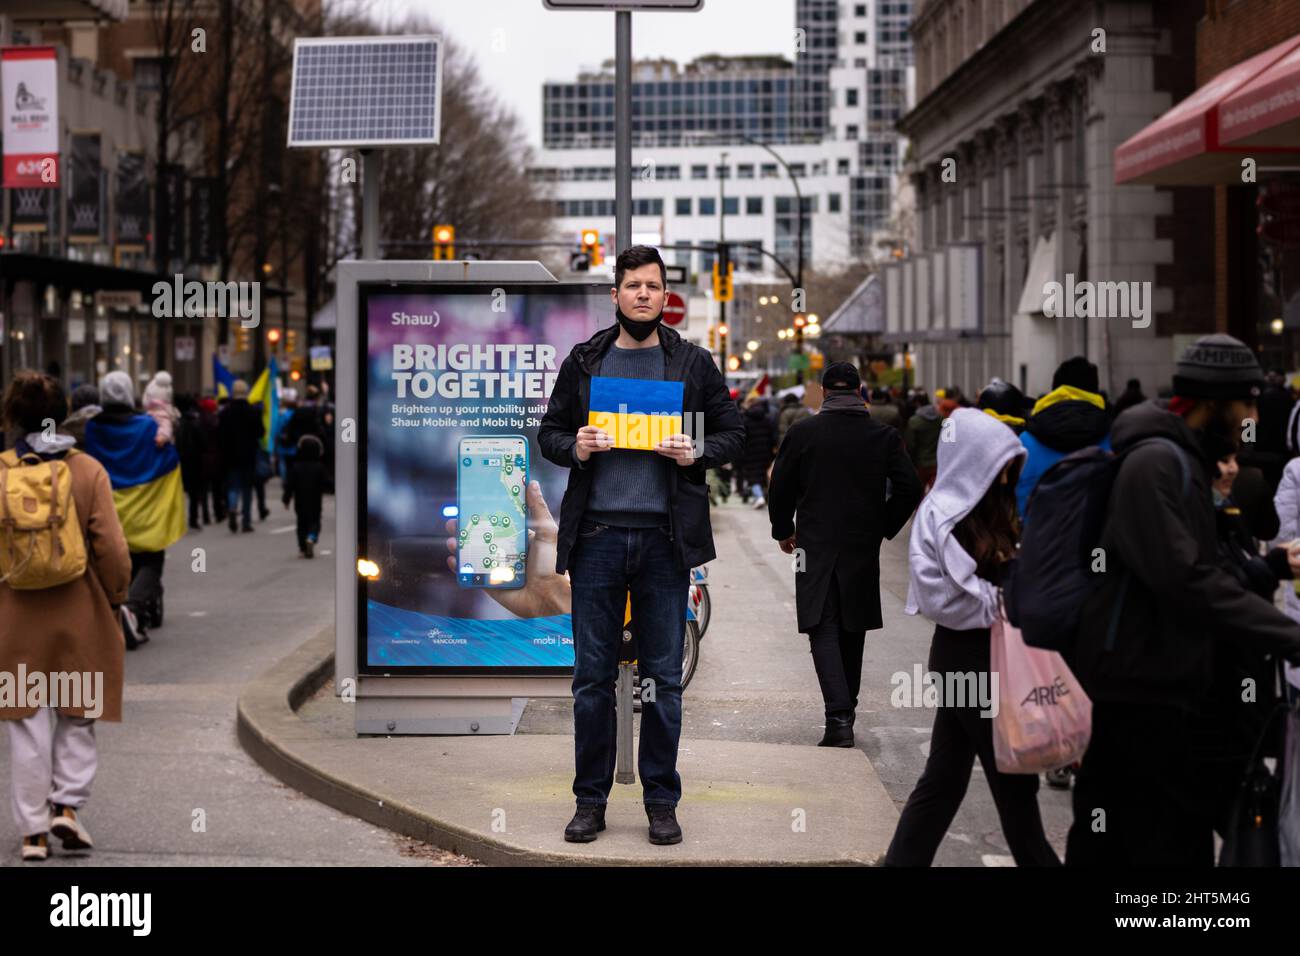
189,444
842,482
239,433
304,485
760,446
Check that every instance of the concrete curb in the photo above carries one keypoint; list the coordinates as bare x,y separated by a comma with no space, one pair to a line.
267,725
271,732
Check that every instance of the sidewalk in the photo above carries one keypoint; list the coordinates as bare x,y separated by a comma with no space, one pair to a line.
756,789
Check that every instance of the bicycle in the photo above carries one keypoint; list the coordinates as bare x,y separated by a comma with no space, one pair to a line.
690,650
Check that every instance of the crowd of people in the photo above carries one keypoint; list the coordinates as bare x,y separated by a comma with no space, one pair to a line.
1177,637
125,462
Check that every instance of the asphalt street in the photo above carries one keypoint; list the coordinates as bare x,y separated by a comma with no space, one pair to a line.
174,787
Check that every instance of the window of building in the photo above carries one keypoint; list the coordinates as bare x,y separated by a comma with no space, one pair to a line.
769,171
851,97
722,172
708,206
833,202
860,37
745,171
683,206
851,132
731,205
842,167
699,172
753,205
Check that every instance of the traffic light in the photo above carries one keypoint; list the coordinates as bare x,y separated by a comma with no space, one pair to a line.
444,242
722,275
591,246
816,361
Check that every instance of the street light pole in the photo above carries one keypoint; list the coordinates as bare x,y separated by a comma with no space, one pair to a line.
622,130
722,258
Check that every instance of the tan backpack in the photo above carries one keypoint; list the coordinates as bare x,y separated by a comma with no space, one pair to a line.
41,545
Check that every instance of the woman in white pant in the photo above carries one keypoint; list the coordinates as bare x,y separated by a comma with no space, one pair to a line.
61,648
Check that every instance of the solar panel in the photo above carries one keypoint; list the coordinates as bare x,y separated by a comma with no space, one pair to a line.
365,91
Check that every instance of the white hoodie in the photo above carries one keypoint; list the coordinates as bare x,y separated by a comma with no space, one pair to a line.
973,450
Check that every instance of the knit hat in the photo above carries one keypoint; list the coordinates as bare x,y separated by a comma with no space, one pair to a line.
1218,366
841,375
115,388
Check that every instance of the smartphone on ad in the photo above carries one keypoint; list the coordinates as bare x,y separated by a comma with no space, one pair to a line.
492,511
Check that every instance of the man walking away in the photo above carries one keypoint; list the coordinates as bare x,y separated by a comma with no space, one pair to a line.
304,485
922,439
883,410
633,521
760,447
239,430
842,482
792,410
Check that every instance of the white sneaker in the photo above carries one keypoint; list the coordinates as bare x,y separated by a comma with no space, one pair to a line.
36,848
760,503
65,825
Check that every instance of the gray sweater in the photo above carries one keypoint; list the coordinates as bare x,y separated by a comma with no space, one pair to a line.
629,488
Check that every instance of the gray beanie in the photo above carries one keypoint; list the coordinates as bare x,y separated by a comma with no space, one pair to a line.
115,388
1218,366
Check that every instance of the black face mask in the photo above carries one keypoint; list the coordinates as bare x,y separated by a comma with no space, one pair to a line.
639,329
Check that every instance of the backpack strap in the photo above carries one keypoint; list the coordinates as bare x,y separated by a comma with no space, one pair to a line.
1126,576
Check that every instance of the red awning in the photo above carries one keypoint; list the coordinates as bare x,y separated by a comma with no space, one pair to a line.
1266,111
1183,147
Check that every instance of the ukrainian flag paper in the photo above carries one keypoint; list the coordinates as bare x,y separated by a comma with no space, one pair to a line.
637,413
146,481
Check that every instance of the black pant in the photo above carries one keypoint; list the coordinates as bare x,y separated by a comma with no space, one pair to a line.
837,656
146,581
198,495
960,735
1138,798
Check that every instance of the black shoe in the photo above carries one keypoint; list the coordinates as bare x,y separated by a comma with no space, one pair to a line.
247,527
584,826
309,548
233,522
1059,779
839,731
664,830
263,515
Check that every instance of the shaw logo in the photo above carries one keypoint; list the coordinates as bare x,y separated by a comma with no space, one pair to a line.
403,318
103,909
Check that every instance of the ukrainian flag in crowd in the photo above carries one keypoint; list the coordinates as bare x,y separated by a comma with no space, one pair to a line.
146,480
636,413
223,377
266,392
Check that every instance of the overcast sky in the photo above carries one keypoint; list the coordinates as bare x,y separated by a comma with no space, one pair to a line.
519,44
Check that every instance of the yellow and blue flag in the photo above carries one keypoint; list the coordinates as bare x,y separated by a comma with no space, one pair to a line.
266,392
637,413
146,480
223,378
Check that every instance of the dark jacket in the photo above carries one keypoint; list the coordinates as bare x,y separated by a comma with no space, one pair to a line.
239,430
1058,426
760,445
711,418
830,479
1163,569
304,481
922,436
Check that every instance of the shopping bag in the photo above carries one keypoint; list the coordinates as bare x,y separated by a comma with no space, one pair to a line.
1289,809
1254,833
1044,718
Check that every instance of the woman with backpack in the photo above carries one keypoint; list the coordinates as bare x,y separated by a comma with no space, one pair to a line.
964,532
57,617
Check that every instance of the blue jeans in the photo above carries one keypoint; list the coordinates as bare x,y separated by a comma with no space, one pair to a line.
607,563
239,483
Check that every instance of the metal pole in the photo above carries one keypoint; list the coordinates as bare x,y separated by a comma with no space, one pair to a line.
623,703
722,258
369,205
622,130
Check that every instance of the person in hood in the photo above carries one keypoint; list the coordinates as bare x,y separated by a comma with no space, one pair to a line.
1070,417
633,521
304,485
964,533
842,482
792,410
1145,650
85,406
1132,395
1004,402
67,629
922,439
